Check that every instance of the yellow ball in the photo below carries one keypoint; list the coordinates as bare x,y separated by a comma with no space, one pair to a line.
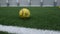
59,6
24,13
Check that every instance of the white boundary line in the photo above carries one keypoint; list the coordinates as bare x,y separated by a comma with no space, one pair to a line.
22,30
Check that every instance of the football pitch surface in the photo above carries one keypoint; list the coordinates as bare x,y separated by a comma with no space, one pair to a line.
41,17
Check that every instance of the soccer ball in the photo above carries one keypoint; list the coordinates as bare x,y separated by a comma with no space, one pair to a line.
24,13
59,6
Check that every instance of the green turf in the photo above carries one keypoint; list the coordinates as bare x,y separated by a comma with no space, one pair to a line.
3,32
41,18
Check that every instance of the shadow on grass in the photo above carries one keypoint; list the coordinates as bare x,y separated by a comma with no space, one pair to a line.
25,18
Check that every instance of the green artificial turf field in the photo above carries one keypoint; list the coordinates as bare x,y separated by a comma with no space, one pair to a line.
41,17
3,32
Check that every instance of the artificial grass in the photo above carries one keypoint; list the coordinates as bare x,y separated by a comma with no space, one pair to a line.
41,17
3,32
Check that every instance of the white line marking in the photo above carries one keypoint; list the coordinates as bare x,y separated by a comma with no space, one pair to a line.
22,30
